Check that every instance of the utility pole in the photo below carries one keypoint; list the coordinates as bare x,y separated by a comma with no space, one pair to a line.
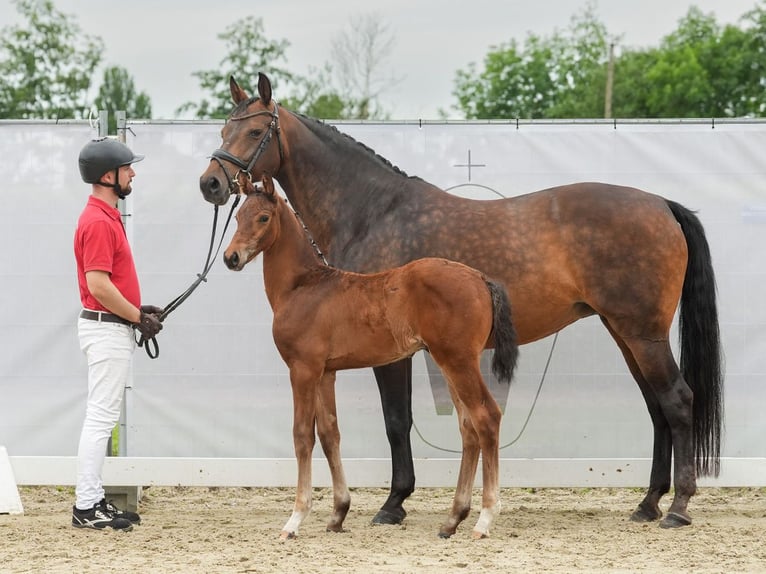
609,83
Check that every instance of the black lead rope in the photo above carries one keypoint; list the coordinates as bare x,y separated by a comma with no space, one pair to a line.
151,346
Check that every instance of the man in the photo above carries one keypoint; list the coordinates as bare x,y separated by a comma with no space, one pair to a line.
111,301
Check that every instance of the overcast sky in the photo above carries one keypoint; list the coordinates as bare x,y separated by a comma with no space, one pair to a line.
161,42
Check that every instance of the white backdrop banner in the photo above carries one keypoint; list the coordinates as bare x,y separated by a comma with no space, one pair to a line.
219,388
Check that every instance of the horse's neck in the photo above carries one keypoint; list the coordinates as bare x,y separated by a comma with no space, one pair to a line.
288,258
330,184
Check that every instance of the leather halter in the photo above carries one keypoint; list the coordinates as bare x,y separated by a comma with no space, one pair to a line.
246,166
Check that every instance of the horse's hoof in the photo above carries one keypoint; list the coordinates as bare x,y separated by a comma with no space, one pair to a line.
476,535
335,528
445,535
284,535
641,514
384,516
675,520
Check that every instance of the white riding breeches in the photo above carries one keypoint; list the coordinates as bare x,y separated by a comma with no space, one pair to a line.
108,348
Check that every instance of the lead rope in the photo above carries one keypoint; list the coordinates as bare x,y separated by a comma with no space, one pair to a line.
526,421
151,346
313,243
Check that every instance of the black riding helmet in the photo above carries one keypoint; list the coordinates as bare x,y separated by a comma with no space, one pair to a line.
99,156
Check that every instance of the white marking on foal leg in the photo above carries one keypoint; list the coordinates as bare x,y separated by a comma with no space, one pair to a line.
290,529
486,517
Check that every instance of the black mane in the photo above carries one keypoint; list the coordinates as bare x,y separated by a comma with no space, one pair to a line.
325,131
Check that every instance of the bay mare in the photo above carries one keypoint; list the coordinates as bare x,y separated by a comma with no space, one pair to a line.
563,253
327,320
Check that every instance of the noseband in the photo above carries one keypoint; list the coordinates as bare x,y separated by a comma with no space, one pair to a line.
245,166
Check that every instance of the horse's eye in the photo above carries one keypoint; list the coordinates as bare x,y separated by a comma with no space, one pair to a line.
256,133
263,218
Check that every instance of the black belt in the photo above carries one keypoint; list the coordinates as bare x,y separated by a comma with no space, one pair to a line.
104,317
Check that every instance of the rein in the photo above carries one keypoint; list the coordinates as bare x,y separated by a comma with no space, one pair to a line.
245,168
151,345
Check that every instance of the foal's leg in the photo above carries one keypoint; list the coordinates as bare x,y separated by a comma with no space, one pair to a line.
461,503
659,481
329,437
395,387
304,380
483,416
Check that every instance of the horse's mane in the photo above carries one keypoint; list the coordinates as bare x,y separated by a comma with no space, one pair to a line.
319,127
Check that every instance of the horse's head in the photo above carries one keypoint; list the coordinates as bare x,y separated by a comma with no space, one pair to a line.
246,147
257,225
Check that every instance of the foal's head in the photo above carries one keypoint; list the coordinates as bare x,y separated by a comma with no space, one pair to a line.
257,225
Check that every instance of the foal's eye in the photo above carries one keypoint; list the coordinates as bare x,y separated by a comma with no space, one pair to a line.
263,218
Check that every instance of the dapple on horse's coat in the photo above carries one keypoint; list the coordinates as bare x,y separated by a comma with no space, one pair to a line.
327,320
563,253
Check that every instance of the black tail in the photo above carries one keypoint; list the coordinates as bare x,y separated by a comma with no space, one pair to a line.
506,347
701,357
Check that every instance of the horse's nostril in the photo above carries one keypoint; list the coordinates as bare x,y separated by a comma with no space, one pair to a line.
211,184
233,260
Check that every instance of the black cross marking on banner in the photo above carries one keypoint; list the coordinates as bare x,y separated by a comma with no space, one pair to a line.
469,165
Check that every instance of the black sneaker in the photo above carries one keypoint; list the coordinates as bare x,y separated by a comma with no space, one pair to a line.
133,517
99,518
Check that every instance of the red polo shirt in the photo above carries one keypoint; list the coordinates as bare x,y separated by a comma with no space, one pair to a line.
100,244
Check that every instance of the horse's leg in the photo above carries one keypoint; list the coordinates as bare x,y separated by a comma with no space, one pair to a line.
305,381
329,437
480,428
395,387
659,480
663,377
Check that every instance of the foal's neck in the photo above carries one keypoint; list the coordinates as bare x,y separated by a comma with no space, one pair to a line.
289,258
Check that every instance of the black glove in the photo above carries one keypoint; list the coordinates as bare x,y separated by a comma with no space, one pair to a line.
152,310
149,325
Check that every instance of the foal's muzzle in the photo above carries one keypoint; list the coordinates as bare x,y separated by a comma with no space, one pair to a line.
232,261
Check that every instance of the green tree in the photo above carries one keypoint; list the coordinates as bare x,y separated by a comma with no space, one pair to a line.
248,52
118,93
701,69
46,64
546,77
314,96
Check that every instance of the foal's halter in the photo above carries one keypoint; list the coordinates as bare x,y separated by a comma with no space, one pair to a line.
246,166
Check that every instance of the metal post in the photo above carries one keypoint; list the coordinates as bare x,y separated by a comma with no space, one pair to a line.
609,83
123,207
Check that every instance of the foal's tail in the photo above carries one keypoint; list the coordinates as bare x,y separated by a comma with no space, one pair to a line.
701,357
506,347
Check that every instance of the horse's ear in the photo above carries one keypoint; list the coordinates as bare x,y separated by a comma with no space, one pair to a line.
264,89
237,94
268,185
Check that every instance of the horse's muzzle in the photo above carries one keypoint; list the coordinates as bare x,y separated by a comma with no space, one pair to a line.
213,189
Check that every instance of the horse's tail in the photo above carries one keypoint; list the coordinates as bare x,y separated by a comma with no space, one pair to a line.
506,346
699,338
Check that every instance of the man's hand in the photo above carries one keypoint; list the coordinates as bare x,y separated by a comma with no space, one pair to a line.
152,310
149,325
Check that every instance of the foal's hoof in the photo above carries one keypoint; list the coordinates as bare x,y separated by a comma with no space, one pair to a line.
675,520
642,514
384,516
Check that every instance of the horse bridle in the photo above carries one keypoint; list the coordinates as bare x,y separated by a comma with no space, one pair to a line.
246,167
